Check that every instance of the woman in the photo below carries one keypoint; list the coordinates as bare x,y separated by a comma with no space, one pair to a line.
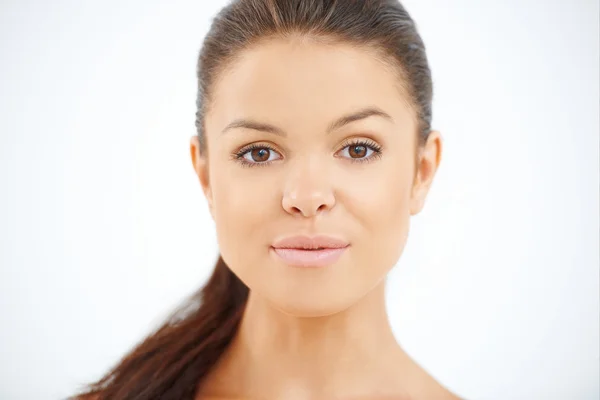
313,149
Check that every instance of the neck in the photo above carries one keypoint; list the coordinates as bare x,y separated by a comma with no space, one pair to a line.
348,354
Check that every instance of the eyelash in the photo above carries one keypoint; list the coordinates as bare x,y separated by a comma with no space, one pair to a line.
369,144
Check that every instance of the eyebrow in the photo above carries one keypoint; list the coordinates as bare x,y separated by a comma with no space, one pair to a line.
337,124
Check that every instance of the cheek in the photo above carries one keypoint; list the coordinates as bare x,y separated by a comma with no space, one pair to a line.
380,198
241,211
382,208
240,197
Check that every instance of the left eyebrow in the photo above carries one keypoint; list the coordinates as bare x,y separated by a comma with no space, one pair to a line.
337,124
358,115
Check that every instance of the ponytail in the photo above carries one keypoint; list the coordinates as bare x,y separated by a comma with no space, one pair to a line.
171,363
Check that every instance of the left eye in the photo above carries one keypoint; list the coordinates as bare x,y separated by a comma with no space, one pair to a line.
358,151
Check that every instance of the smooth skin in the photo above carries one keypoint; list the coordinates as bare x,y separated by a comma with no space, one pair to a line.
314,333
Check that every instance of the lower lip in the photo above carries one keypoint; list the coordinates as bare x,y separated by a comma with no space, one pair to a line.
309,258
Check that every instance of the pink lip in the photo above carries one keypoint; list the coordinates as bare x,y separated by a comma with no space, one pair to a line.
305,251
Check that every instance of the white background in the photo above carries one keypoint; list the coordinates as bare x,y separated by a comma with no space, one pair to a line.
104,229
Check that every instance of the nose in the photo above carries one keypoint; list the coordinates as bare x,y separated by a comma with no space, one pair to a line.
308,192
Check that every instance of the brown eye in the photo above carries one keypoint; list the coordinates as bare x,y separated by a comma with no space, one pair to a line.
259,155
361,150
357,151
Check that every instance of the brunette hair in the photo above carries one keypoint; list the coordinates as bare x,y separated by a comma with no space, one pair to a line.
172,361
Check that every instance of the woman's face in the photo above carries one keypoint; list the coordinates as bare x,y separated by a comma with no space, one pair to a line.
296,167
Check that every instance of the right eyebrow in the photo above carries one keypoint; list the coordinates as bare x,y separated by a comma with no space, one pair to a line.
254,125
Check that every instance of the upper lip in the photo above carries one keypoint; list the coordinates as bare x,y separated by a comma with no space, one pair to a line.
310,242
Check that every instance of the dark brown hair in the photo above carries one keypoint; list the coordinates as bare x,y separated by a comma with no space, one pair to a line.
171,362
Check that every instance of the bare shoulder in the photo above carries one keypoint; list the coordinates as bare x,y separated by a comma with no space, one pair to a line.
439,395
440,392
422,385
448,395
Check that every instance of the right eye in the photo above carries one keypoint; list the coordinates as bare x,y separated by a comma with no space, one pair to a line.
256,155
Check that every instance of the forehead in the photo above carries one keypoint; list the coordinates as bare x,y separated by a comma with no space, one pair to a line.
304,84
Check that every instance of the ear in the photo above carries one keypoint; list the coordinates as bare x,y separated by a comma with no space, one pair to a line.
428,159
200,164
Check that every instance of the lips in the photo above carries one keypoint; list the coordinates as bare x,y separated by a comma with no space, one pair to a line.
305,251
310,243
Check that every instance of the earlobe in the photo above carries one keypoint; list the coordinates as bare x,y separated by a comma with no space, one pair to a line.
200,164
417,200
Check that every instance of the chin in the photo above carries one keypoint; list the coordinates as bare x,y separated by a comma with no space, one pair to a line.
312,306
